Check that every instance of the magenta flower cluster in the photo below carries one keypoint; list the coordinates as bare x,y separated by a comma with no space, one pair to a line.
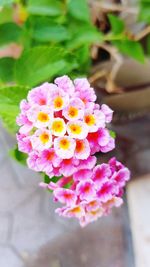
61,128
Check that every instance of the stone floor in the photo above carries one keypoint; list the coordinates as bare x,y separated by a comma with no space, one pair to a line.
32,235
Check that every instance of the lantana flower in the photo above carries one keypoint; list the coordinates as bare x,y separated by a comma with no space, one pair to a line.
61,128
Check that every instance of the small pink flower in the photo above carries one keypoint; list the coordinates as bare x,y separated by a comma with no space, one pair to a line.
86,190
110,146
88,163
58,127
77,129
103,137
40,116
108,113
91,216
39,95
69,166
48,159
65,196
83,174
121,177
59,99
24,143
65,83
41,139
92,205
115,165
54,172
75,110
100,141
94,120
106,191
64,147
24,106
84,91
26,125
82,150
101,174
76,211
32,161
113,202
93,141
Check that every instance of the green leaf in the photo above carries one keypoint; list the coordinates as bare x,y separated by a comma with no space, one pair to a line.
10,98
83,57
6,14
41,63
79,9
18,156
45,7
9,32
46,179
52,33
112,134
6,2
46,29
144,11
8,114
6,69
117,25
131,48
85,36
12,95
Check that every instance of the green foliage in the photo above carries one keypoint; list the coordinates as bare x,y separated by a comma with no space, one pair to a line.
87,34
6,15
131,48
45,7
117,25
79,10
9,32
10,98
41,63
144,14
112,134
6,69
46,179
8,114
55,32
18,156
6,2
13,94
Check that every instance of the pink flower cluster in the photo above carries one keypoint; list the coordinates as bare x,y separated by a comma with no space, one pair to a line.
93,191
61,128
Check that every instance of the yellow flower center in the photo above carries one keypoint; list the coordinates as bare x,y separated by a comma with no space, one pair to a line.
58,126
76,210
73,112
64,144
58,102
95,212
89,120
75,129
43,117
44,137
92,203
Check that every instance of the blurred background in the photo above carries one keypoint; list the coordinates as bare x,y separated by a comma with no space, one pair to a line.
108,42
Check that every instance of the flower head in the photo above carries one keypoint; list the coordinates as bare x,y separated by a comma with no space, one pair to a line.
61,128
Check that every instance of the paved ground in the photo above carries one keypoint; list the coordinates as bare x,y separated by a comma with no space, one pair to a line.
32,235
